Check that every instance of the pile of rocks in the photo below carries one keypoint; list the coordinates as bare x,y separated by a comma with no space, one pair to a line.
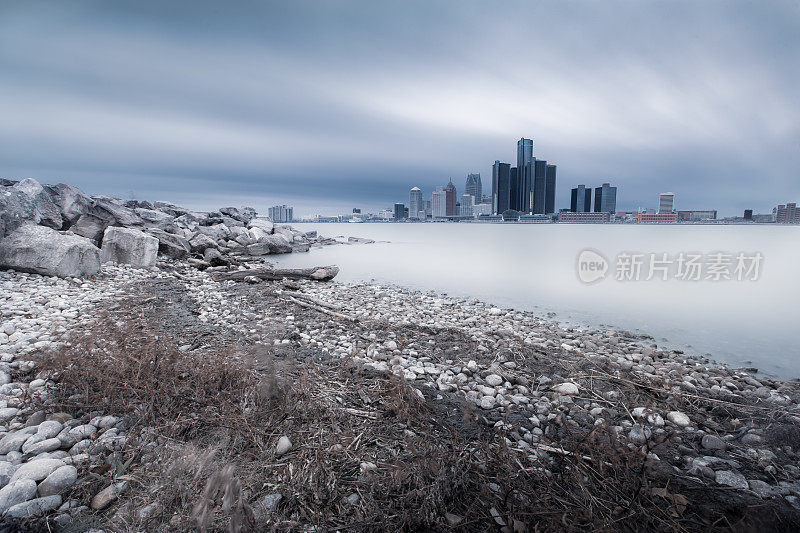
58,230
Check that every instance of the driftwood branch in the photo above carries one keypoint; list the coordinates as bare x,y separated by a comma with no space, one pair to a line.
324,273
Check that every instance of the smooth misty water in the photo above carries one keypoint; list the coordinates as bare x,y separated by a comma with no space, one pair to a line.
533,267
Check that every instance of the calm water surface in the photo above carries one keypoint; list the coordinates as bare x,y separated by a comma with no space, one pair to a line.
533,267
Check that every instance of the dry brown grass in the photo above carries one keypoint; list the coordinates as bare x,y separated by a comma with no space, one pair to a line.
203,427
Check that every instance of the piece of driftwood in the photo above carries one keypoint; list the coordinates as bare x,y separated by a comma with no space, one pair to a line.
323,273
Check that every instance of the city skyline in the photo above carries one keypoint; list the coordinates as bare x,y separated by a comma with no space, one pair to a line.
202,105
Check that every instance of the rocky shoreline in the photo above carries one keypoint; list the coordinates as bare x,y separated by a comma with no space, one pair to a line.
527,378
315,406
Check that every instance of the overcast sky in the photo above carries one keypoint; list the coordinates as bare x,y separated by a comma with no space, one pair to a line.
333,105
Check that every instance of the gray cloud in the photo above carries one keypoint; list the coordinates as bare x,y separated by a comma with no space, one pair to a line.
334,104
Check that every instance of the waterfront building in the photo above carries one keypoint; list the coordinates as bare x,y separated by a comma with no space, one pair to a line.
748,214
525,175
415,203
439,203
466,206
400,211
787,214
605,199
763,218
501,187
535,219
659,218
474,187
581,199
587,217
281,213
450,189
694,216
666,202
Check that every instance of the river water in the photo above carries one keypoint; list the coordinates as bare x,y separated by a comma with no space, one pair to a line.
752,321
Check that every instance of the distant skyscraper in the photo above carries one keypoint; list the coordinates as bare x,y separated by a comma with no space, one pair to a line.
550,190
474,187
525,174
439,203
415,203
539,186
787,214
501,187
466,209
605,199
513,188
666,202
581,200
450,189
281,213
748,214
399,211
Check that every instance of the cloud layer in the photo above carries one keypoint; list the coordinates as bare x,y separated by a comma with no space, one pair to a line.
330,105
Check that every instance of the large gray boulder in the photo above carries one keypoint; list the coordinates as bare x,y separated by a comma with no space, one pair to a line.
71,201
43,250
90,226
16,209
201,242
115,212
266,225
170,245
153,218
170,208
270,244
47,213
129,246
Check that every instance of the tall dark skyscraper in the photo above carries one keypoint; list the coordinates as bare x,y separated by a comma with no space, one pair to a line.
605,199
451,199
539,186
581,199
525,172
550,190
501,187
513,188
400,211
474,187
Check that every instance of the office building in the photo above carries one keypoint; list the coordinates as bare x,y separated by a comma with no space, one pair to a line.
584,217
787,214
539,186
483,209
501,187
605,199
474,187
694,216
415,203
550,190
400,211
281,213
580,199
466,206
513,189
525,175
450,189
748,214
439,203
666,202
658,218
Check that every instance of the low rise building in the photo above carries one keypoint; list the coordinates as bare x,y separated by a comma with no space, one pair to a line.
657,218
585,218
